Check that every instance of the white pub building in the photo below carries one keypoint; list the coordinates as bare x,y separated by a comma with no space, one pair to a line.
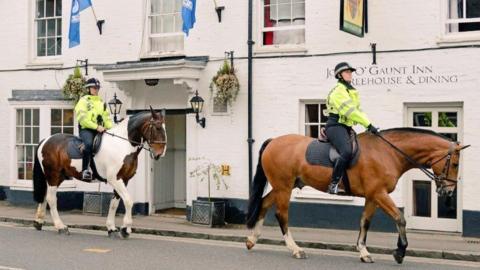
424,73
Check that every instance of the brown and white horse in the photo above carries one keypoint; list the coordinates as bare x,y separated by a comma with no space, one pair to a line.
116,161
383,159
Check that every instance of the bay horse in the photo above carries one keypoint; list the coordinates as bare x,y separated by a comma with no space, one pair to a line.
116,161
383,160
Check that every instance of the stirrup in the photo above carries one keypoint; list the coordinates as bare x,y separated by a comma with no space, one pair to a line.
335,189
86,176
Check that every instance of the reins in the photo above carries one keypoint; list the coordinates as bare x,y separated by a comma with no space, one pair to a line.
424,168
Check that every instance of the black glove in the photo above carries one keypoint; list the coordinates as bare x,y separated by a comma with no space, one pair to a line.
372,129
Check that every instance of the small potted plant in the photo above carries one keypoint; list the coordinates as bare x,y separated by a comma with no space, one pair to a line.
74,86
224,85
208,212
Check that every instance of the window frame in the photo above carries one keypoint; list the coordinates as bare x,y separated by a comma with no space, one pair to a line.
146,47
308,193
274,48
445,38
44,132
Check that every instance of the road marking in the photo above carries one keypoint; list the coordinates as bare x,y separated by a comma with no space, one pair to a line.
9,268
97,250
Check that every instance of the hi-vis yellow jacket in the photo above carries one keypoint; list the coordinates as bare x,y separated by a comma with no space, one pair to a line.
88,108
346,103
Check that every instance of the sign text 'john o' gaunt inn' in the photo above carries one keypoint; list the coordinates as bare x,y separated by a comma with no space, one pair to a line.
397,75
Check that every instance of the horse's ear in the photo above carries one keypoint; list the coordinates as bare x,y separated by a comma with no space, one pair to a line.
153,112
463,147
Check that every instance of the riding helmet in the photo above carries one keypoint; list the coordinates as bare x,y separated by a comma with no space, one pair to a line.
342,67
92,82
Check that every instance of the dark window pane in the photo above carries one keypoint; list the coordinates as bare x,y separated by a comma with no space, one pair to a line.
28,135
21,171
473,8
40,8
55,130
20,153
68,117
51,27
323,113
447,119
29,153
51,46
50,8
447,206
56,117
451,136
19,117
28,117
29,171
311,113
59,46
422,119
19,135
68,130
41,28
311,131
36,117
59,27
41,47
36,137
58,8
421,199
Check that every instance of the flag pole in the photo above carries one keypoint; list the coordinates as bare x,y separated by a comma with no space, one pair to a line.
99,22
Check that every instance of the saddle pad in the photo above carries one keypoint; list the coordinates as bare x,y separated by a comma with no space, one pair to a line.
75,148
322,153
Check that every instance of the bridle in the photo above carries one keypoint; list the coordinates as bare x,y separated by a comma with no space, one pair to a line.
141,145
439,179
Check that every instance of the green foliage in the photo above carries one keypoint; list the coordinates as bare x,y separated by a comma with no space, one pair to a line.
224,85
74,86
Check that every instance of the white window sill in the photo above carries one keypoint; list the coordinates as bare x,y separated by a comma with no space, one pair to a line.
161,54
459,39
311,194
280,49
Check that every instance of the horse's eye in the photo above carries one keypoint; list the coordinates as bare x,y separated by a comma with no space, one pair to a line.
455,165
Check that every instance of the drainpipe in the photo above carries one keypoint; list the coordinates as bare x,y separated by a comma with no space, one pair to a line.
250,140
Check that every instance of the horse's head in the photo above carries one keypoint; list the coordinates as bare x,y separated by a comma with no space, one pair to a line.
445,167
155,134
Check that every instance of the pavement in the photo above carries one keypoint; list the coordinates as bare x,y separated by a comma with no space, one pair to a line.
421,244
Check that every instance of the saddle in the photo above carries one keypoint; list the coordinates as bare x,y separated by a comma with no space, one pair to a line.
75,147
321,152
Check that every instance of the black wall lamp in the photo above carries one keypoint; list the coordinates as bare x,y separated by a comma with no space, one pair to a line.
115,105
197,105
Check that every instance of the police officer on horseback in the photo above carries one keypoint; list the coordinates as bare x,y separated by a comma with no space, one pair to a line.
93,117
343,104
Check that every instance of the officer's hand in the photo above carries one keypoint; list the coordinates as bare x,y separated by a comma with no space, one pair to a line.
372,129
100,129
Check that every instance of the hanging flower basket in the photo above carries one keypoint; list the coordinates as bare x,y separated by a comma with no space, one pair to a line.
225,85
74,86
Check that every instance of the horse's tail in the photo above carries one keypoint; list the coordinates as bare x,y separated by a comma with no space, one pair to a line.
39,179
259,182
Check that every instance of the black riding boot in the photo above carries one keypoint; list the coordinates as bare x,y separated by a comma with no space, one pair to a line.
338,171
86,174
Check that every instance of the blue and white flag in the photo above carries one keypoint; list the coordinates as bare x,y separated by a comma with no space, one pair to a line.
74,31
188,15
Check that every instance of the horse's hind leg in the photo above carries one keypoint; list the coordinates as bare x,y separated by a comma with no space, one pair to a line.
40,215
52,202
256,231
282,200
386,203
368,212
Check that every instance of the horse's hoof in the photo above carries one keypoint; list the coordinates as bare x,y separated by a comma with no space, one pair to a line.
367,259
37,225
398,257
64,231
124,233
249,244
113,233
300,255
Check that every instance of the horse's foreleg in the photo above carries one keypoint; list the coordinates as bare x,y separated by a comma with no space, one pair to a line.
40,215
52,202
112,210
387,204
283,200
256,231
121,189
368,212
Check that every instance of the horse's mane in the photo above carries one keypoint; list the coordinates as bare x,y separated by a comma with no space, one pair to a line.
415,130
134,123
